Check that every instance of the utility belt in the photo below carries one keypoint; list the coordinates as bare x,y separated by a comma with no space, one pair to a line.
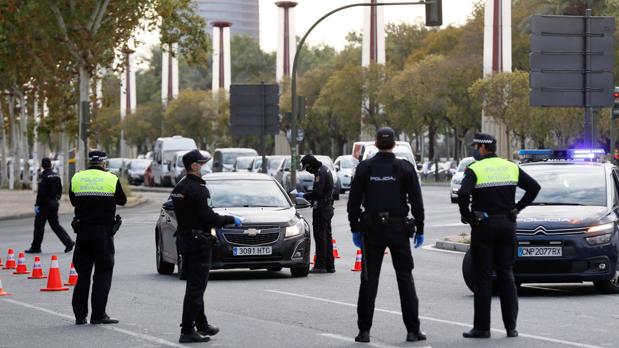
78,225
199,235
385,218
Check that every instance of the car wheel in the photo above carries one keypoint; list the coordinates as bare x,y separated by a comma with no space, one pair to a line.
454,200
163,267
274,269
300,271
181,267
467,269
610,286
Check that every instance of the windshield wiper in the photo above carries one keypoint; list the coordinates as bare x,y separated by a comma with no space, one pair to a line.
555,203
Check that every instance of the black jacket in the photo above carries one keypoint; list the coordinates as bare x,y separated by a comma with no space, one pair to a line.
409,191
49,189
97,209
190,198
322,191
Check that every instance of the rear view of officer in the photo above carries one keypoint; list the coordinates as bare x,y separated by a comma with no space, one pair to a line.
322,197
46,209
385,186
492,182
94,193
194,240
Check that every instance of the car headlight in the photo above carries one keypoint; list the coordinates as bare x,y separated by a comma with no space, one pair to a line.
603,234
213,232
605,228
294,230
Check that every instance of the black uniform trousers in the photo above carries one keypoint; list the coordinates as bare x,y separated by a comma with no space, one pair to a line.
376,238
321,221
94,247
196,267
493,249
48,213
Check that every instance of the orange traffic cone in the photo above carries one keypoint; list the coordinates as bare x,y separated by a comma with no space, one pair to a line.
72,276
21,264
37,271
2,292
54,282
358,260
336,254
10,260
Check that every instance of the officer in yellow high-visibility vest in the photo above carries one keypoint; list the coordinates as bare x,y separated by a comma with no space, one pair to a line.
491,183
94,193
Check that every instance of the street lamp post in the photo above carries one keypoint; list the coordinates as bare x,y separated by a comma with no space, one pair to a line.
293,82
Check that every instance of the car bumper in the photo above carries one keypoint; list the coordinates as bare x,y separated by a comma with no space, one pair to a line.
453,190
579,261
345,182
286,252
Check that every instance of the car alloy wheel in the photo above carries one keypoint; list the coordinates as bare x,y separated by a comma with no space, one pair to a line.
163,267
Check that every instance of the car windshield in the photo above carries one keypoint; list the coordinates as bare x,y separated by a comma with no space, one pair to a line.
230,157
326,161
348,162
465,164
246,193
568,184
168,156
140,164
258,163
407,155
114,163
243,162
274,162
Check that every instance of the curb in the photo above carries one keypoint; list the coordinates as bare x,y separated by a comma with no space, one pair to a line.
437,184
139,201
452,246
151,189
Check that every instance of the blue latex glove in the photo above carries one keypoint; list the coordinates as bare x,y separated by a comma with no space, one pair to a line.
237,221
418,240
300,194
356,239
37,210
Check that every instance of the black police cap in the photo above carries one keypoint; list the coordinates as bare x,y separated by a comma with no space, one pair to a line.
46,163
483,138
193,156
97,156
385,138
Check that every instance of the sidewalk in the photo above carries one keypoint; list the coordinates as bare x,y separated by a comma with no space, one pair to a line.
20,203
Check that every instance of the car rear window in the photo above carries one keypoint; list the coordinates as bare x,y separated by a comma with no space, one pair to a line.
568,184
246,193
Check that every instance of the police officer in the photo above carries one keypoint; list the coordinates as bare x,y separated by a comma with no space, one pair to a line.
322,200
94,193
46,209
385,186
491,182
194,240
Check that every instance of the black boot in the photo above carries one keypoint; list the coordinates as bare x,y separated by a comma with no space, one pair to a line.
363,336
512,333
474,333
209,331
103,320
193,337
33,250
316,270
416,336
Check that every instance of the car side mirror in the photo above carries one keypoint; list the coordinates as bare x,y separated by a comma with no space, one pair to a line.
337,168
286,169
301,203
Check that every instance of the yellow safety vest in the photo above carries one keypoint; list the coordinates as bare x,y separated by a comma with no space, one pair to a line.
495,171
94,182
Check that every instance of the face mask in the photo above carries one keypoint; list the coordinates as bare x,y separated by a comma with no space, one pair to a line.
476,154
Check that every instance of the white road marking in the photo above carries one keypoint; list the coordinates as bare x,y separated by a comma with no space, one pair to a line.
433,248
548,289
141,336
352,340
442,321
448,225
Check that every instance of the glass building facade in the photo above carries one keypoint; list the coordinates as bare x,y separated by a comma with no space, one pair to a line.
243,14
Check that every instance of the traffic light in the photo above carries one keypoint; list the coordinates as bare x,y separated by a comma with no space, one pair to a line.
434,13
616,105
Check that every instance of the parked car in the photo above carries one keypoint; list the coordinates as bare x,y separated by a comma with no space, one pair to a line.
224,158
305,179
244,164
273,163
136,170
116,165
178,171
163,154
345,166
456,180
274,234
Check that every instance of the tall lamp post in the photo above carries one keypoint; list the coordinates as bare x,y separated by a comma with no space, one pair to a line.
433,9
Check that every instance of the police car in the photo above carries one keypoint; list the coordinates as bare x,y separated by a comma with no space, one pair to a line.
570,232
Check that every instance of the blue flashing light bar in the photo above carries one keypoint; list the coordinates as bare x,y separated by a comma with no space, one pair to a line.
535,155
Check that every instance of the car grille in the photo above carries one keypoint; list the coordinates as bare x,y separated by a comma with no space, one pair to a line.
541,230
266,236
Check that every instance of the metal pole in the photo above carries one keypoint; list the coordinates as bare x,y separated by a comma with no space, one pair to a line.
263,128
588,110
293,81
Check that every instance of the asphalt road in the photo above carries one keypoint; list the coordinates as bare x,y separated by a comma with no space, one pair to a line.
263,309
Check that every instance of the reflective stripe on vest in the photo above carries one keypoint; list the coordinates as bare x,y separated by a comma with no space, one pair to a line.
494,171
94,182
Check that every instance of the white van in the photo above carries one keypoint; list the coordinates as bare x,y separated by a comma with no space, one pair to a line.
163,154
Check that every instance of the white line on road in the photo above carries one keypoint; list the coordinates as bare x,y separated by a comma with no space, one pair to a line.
549,289
433,248
141,336
450,322
456,224
352,340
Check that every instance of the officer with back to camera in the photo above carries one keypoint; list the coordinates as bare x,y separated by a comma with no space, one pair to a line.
491,182
194,239
46,209
94,193
322,199
385,186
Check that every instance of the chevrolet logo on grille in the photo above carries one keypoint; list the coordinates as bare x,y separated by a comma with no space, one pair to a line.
252,232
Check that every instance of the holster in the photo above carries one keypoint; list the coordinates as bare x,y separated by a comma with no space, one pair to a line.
204,236
410,227
75,224
118,221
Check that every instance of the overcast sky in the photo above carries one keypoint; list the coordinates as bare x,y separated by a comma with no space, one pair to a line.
333,30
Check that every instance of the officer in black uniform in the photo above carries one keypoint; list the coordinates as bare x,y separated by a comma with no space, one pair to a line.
94,193
322,200
385,186
492,182
46,209
194,240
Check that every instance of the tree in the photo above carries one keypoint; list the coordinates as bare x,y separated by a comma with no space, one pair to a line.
144,126
250,63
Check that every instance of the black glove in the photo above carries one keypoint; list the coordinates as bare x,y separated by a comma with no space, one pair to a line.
513,214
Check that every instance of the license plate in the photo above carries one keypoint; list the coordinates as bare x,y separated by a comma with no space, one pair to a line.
539,251
252,251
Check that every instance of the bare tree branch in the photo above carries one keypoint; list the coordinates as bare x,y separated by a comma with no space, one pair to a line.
63,29
99,18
